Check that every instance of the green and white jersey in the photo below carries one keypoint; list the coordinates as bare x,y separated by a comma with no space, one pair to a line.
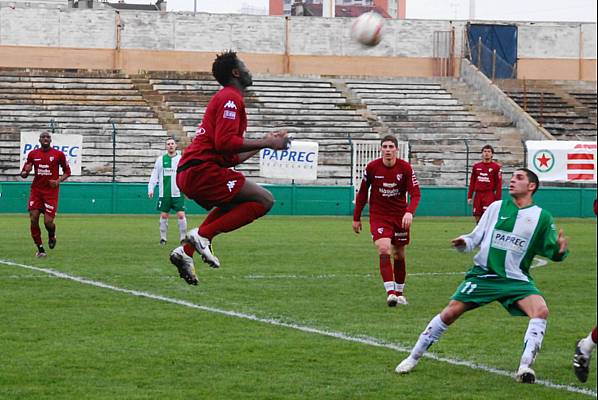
164,175
509,237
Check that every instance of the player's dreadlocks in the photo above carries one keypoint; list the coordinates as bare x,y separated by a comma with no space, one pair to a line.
223,66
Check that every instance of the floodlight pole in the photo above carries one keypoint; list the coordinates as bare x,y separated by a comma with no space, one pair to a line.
194,7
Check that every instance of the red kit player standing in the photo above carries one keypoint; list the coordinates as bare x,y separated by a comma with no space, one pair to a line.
44,189
204,172
486,182
390,179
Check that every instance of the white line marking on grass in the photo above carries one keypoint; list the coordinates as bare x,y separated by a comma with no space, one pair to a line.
536,263
371,341
329,276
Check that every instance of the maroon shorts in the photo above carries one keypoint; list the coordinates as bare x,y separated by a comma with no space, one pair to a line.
481,201
44,200
210,185
389,227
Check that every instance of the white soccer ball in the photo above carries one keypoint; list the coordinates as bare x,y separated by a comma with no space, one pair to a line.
367,28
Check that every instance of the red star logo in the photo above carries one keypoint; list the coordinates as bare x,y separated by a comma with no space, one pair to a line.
544,160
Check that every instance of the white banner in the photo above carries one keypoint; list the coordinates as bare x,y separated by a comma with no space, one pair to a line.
299,161
562,161
70,145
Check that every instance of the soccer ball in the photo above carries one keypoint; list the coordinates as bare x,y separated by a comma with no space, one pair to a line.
367,28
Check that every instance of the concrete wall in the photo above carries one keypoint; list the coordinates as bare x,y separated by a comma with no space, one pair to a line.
299,45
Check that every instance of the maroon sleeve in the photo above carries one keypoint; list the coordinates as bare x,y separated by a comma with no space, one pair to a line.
414,192
498,181
228,121
362,197
29,160
471,183
66,169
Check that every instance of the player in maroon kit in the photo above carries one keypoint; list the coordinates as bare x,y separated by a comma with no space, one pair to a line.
44,189
390,179
585,346
486,182
204,173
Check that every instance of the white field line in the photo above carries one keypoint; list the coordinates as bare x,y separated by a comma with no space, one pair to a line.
537,262
371,341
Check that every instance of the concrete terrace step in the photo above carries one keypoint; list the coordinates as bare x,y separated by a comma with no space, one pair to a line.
62,102
76,113
295,100
65,85
51,79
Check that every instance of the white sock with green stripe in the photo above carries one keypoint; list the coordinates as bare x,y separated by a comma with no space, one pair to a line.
532,341
182,228
163,228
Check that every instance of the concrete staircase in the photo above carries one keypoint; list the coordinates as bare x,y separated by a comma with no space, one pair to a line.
156,101
509,150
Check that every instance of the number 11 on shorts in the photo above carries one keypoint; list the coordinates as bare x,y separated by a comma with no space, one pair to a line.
468,288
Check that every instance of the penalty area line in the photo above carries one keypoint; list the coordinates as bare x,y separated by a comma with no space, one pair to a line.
371,341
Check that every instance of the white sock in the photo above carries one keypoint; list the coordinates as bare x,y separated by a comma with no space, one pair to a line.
400,287
182,227
586,345
532,341
163,228
428,337
388,286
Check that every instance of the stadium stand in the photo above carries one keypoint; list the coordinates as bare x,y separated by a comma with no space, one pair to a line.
439,126
90,103
443,119
308,108
567,109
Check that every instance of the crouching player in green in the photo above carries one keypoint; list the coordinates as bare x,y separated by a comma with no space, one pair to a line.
509,234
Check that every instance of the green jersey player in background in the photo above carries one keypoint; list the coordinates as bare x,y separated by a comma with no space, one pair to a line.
510,233
170,198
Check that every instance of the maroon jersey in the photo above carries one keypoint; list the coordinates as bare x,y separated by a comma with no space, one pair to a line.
389,189
486,177
46,165
220,134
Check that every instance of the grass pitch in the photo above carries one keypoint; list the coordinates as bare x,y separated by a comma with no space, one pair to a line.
297,311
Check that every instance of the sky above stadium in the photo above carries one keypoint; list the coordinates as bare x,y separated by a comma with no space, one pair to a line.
509,10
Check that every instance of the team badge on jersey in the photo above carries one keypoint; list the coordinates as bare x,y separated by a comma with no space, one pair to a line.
399,177
228,114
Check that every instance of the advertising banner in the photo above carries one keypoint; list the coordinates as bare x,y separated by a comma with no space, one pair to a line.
70,145
299,161
562,161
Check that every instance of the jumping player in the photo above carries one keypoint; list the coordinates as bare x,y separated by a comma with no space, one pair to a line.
204,173
391,215
44,189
